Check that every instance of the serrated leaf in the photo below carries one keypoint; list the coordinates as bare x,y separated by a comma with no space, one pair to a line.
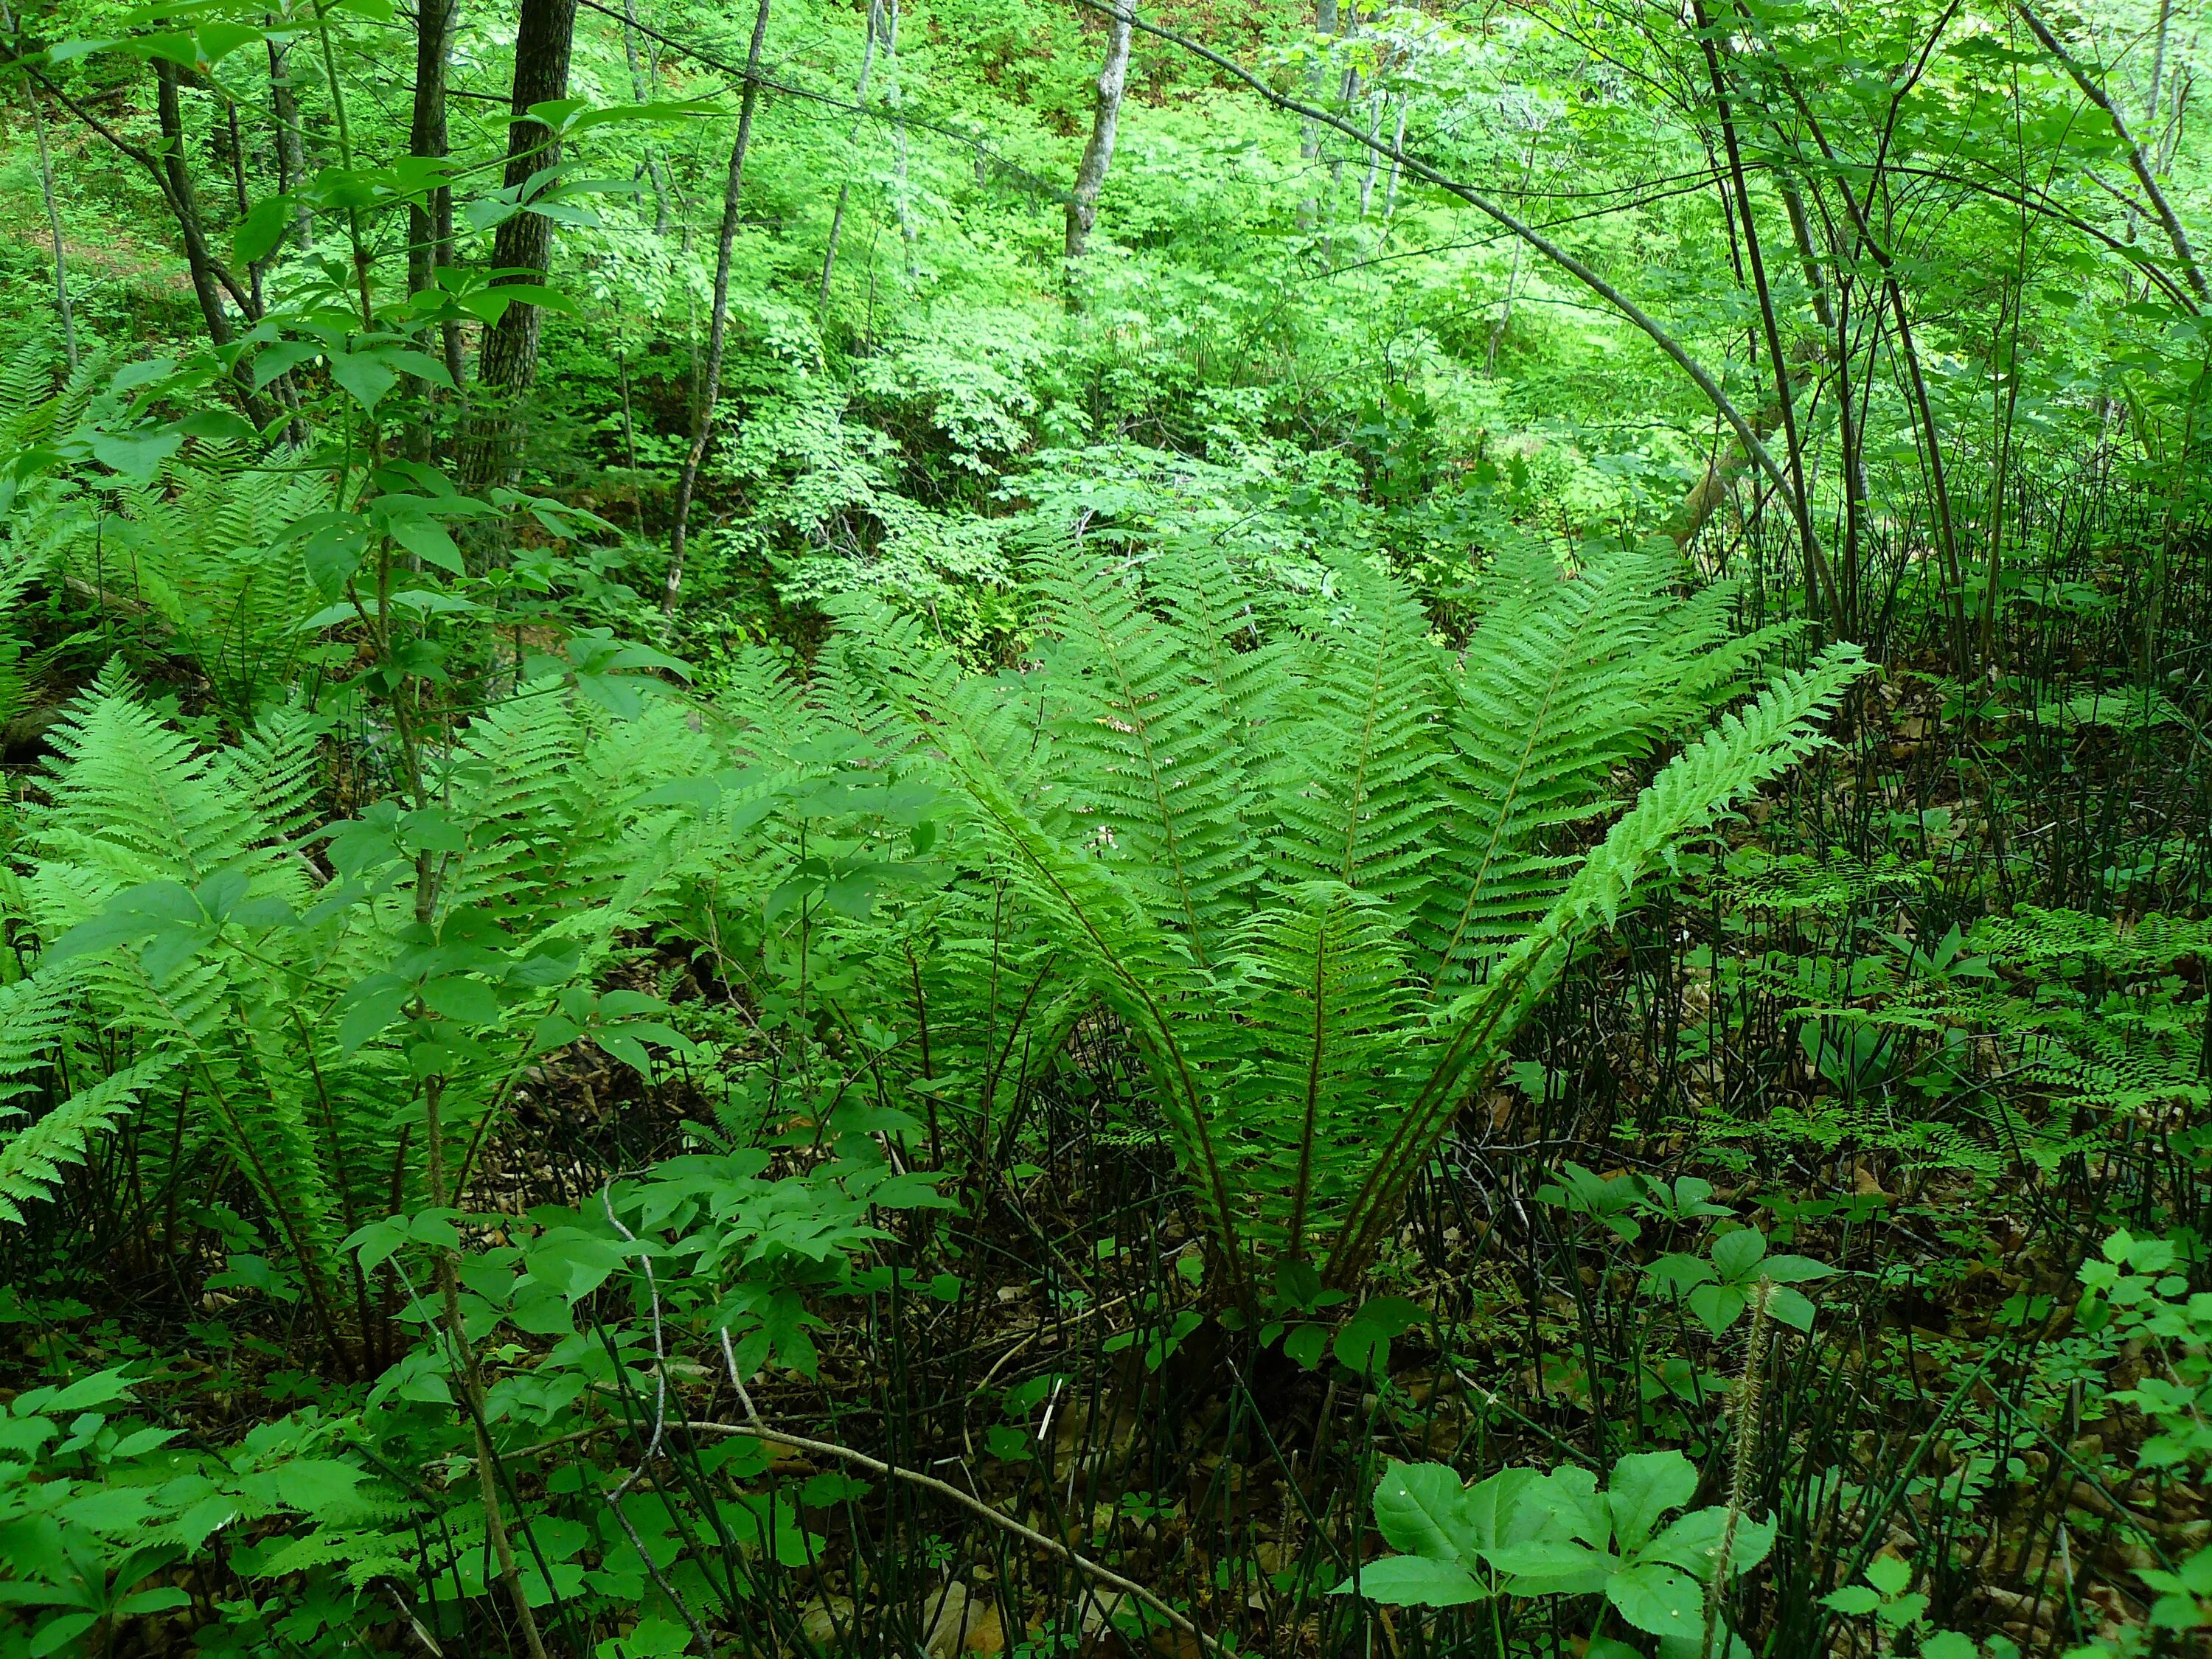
1417,1510
1658,1600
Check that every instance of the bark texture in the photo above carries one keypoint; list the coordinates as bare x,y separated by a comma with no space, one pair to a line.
506,364
1105,119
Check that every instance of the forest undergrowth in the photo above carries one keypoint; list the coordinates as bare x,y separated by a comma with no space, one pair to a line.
1052,831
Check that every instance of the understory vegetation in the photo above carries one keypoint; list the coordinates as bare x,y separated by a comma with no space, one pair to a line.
848,830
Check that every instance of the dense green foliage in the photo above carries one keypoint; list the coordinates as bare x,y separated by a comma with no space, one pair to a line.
994,827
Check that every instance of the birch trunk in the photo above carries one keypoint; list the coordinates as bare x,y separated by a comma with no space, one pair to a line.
1098,153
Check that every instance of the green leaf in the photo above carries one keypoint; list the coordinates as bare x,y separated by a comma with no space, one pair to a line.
264,226
1693,1542
57,1633
1415,1581
1853,1600
370,1011
1889,1574
464,1000
1417,1510
152,1601
135,454
1645,1487
364,376
1719,1306
1553,1567
1735,1254
428,541
1794,1269
1793,1308
1656,1599
1364,1344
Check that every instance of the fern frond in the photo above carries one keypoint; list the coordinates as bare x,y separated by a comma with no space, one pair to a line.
1355,796
31,1159
1742,751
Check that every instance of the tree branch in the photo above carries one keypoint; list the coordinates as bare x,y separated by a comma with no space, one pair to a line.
1535,239
2136,164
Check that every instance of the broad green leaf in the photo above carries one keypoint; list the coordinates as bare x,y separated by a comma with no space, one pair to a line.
1552,1567
260,231
1415,1581
1735,1254
364,376
1645,1487
1693,1542
135,454
1719,1306
1658,1599
1794,1269
1792,1306
1418,1510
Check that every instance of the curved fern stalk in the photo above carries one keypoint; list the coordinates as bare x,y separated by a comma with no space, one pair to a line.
33,1158
1147,974
1740,753
1565,681
1322,998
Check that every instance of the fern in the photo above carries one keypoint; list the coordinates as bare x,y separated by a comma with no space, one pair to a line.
1319,879
181,928
33,1157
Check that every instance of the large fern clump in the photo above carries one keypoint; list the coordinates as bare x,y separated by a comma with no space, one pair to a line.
1319,873
267,998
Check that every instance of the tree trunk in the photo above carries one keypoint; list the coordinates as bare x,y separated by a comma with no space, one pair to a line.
61,308
1397,148
208,278
845,189
1819,578
1105,118
291,150
506,364
642,83
710,387
430,223
1325,23
894,97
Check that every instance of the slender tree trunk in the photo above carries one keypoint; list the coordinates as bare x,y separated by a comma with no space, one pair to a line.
845,189
62,311
506,364
1856,490
291,148
641,88
2138,163
1819,577
895,97
1105,119
209,280
1513,271
430,223
1374,152
1397,149
710,387
1326,18
1923,407
2158,69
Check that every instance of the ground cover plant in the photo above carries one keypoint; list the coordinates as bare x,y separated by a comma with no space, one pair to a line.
923,827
